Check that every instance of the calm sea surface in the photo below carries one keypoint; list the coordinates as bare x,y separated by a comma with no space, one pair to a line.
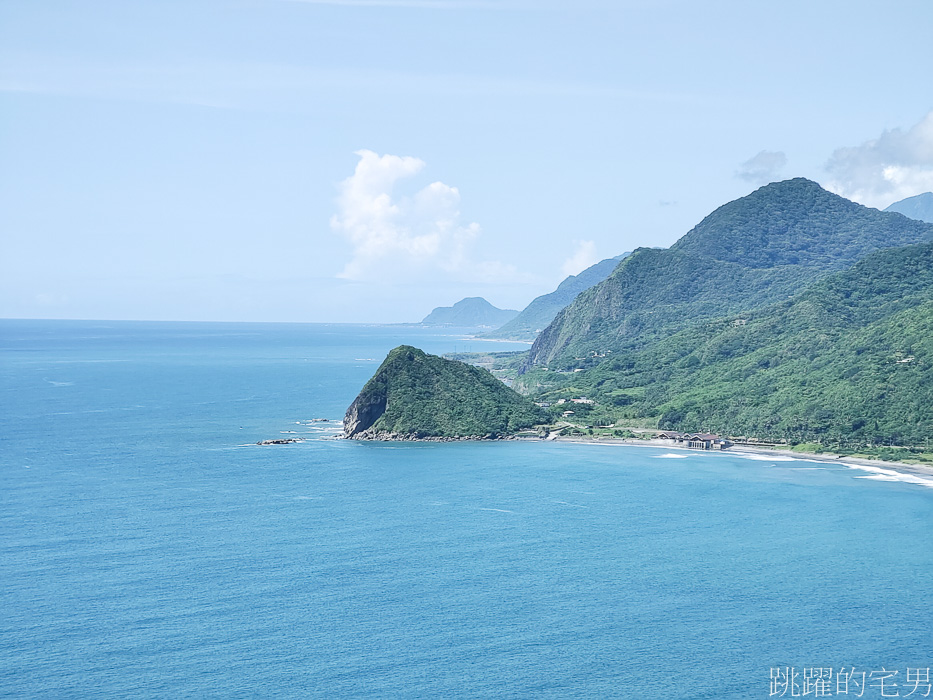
149,549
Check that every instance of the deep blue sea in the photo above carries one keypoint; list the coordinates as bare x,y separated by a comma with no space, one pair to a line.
148,547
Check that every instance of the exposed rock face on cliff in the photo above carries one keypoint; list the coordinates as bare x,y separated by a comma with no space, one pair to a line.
414,395
365,410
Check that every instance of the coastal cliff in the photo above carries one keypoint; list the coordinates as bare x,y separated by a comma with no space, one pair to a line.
414,395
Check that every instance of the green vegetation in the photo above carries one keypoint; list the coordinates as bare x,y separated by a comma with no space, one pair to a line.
846,364
747,254
542,310
417,395
788,316
808,447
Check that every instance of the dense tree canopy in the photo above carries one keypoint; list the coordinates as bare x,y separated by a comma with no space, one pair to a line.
421,395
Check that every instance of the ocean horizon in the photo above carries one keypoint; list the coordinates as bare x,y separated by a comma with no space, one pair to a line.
150,548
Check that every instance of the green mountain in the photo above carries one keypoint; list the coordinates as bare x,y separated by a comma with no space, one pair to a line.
416,395
755,251
542,310
472,312
847,361
919,207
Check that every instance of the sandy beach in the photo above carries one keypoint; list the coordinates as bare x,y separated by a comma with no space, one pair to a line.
878,470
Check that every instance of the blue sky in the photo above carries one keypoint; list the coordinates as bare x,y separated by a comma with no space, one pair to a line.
368,160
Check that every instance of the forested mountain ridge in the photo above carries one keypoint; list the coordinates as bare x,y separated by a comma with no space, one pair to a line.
751,252
847,361
542,310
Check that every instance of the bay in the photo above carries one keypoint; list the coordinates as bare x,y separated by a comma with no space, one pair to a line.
149,548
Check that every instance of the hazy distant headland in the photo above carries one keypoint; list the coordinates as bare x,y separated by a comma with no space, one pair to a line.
472,312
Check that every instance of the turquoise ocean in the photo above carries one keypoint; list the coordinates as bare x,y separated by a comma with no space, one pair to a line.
148,547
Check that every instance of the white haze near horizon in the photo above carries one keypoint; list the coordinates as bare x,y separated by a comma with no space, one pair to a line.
369,161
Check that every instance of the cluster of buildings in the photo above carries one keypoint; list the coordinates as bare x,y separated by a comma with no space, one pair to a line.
560,402
697,441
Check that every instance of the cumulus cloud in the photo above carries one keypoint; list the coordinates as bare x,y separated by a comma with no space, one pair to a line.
392,237
763,168
881,171
582,258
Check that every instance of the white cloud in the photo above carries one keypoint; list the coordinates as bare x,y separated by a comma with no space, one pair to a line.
270,86
395,237
763,168
582,258
896,165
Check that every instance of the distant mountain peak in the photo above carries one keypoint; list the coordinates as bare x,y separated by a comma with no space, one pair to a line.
919,207
782,223
471,312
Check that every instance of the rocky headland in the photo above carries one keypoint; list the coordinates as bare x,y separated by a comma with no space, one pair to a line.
416,396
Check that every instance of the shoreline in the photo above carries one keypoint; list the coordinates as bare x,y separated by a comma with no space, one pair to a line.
877,466
879,470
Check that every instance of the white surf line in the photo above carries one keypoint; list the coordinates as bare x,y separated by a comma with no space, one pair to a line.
772,458
874,473
879,474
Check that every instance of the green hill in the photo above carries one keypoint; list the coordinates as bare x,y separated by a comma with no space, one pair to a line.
472,312
416,395
754,251
847,361
542,310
